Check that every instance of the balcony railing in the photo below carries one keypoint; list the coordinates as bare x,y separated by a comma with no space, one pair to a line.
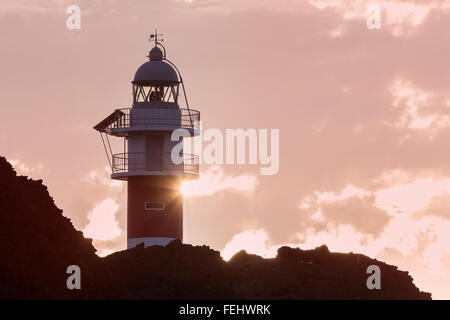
139,162
158,117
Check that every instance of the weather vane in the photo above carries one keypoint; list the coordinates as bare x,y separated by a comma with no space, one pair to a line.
154,37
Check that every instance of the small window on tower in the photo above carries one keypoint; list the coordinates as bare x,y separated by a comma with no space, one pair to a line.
155,206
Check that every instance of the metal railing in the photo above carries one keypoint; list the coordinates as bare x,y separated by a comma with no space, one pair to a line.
157,116
137,161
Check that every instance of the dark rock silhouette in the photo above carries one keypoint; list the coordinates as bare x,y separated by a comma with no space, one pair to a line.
37,244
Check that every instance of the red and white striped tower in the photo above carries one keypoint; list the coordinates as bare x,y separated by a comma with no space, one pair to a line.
155,203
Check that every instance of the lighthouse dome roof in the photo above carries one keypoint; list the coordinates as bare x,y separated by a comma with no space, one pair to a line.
155,71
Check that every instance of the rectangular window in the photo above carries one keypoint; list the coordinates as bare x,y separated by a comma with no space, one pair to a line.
155,206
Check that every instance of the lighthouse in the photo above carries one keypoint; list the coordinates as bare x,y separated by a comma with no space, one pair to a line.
152,165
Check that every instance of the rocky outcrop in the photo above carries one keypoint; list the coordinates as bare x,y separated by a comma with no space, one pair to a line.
37,244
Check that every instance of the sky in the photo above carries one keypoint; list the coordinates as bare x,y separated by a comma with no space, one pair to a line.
363,119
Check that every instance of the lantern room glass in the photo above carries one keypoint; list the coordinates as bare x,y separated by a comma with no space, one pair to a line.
155,93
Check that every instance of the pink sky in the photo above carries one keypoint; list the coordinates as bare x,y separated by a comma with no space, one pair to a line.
363,118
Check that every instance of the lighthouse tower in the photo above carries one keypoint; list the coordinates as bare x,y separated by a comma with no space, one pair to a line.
151,164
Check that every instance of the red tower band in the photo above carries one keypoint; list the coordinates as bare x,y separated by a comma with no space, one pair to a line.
155,209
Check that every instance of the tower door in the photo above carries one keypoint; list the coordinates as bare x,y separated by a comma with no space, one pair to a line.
154,153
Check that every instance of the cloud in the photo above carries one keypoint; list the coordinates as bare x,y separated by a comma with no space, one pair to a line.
348,192
438,250
33,6
226,7
103,177
22,168
419,109
102,223
413,214
214,180
407,198
105,252
402,17
252,241
256,241
421,246
350,206
342,238
106,223
438,205
424,240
